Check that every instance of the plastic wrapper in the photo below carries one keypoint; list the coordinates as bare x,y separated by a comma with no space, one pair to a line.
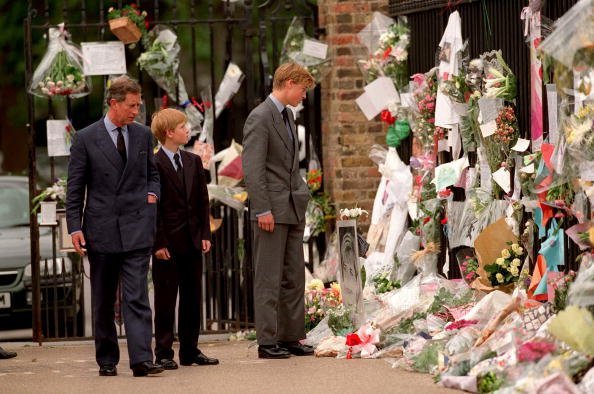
294,50
581,292
327,269
587,383
331,347
573,31
574,326
320,332
229,87
466,383
461,341
60,72
161,62
231,196
371,33
404,268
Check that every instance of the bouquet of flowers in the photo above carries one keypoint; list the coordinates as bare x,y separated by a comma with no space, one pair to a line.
424,93
318,300
499,79
55,192
161,62
456,88
60,72
383,284
469,267
132,31
506,269
579,133
340,320
319,208
293,51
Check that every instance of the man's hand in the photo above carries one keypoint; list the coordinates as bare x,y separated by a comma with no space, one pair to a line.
78,240
266,222
152,199
205,245
162,254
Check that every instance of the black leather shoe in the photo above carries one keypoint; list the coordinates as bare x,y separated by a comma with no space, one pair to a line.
297,349
273,352
200,359
108,370
4,354
146,368
168,363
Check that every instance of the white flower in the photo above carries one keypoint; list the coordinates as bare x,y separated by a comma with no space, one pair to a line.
505,254
514,271
45,90
110,9
399,53
404,38
70,77
352,213
499,277
500,261
516,262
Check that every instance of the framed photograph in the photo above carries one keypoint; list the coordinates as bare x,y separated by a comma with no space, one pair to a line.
64,239
350,271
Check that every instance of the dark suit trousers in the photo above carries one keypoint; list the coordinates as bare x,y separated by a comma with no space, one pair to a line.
183,272
106,269
279,283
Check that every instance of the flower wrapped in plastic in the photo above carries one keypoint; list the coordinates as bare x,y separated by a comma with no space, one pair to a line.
390,58
294,49
161,62
499,80
60,72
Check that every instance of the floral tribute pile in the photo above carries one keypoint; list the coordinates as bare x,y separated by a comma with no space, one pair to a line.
518,320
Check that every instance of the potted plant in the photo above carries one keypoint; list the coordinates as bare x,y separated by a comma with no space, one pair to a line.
129,24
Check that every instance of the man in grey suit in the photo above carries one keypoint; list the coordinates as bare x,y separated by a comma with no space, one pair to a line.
111,204
278,199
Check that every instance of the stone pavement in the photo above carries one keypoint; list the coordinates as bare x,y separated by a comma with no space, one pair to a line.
69,367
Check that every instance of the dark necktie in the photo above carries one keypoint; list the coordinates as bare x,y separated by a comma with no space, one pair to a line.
178,168
121,145
287,123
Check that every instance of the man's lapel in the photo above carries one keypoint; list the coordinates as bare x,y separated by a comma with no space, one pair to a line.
279,124
107,147
168,166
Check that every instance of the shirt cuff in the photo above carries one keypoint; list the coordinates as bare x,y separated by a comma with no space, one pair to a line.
153,194
74,232
263,214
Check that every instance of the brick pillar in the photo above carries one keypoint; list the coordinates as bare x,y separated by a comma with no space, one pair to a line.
350,176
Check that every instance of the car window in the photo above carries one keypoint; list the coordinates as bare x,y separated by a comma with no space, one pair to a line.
14,205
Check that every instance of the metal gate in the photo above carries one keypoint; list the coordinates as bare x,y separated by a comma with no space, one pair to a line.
211,35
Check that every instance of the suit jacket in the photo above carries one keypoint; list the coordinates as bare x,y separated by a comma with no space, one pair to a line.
271,166
114,215
183,208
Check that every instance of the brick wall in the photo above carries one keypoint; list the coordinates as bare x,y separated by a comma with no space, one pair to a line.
350,176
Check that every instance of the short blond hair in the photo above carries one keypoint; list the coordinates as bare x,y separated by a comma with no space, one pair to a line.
166,119
294,72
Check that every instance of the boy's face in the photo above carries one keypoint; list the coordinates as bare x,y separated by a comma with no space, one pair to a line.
180,135
295,92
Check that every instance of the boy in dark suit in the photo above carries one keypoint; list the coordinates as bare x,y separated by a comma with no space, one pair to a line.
183,233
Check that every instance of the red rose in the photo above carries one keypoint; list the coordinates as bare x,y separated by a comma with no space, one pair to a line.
387,117
353,339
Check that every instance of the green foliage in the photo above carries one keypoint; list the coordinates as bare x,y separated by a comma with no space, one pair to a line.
489,382
383,284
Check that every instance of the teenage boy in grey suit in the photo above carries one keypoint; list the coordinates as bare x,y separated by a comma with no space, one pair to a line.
278,199
111,207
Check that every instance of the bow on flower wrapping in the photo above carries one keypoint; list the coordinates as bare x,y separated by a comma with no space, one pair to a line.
363,341
550,256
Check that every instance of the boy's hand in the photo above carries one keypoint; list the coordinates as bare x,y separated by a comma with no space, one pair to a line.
266,222
162,254
205,245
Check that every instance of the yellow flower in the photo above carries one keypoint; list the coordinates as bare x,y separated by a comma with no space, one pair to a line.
516,262
315,284
500,261
505,254
499,277
514,271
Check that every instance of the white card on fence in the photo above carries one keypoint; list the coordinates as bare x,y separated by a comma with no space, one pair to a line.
369,110
104,58
382,92
501,176
56,138
315,49
551,90
489,108
521,145
529,169
488,128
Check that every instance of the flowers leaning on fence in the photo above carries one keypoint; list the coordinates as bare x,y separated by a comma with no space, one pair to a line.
319,300
506,269
55,192
60,72
138,19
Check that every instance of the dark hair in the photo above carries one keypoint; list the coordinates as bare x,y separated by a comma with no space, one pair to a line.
120,87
